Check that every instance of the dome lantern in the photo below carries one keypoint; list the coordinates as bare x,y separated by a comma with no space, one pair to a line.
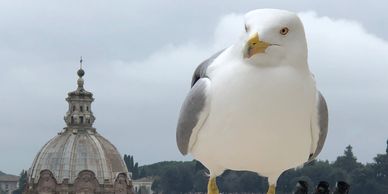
79,115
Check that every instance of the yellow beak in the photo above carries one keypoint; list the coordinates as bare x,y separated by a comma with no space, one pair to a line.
255,45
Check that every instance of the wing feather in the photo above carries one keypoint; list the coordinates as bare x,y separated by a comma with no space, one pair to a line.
194,110
319,126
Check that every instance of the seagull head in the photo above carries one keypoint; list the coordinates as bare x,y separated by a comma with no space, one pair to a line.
273,37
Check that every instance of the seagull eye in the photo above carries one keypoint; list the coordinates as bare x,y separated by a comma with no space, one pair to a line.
284,31
246,28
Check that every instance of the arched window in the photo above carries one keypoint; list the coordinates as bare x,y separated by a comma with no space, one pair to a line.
72,120
81,119
73,108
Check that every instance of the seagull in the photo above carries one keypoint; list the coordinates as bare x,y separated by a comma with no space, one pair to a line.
254,106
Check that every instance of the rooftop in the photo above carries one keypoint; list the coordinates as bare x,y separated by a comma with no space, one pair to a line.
8,178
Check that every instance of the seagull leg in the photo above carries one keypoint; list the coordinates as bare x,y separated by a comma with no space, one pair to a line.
271,189
212,186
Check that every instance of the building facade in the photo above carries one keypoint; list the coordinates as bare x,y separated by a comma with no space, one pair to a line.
79,160
8,183
143,185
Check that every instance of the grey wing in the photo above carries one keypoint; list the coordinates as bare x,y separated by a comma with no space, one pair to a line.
200,72
319,126
194,110
193,113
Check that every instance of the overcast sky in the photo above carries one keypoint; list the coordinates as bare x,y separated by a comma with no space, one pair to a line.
139,57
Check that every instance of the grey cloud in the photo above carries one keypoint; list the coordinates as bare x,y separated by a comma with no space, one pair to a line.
139,57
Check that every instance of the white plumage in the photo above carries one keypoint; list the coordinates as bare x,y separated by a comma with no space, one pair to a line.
259,119
260,109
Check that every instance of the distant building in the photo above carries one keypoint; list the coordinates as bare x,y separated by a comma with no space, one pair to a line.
143,185
8,183
79,160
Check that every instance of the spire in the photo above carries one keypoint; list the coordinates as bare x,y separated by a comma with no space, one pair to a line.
80,74
80,116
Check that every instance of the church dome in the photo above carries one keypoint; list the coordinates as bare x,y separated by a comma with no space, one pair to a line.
79,160
71,152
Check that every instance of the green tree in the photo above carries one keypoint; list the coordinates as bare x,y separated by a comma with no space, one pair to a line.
132,166
200,180
380,169
347,162
22,183
142,172
176,180
135,171
252,183
363,181
229,182
174,177
156,186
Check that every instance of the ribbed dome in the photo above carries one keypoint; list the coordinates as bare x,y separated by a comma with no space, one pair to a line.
79,160
71,152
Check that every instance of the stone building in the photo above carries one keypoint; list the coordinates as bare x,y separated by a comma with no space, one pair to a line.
143,185
8,183
79,160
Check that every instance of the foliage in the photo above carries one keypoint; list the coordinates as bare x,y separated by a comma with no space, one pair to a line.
22,183
347,162
132,166
174,177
